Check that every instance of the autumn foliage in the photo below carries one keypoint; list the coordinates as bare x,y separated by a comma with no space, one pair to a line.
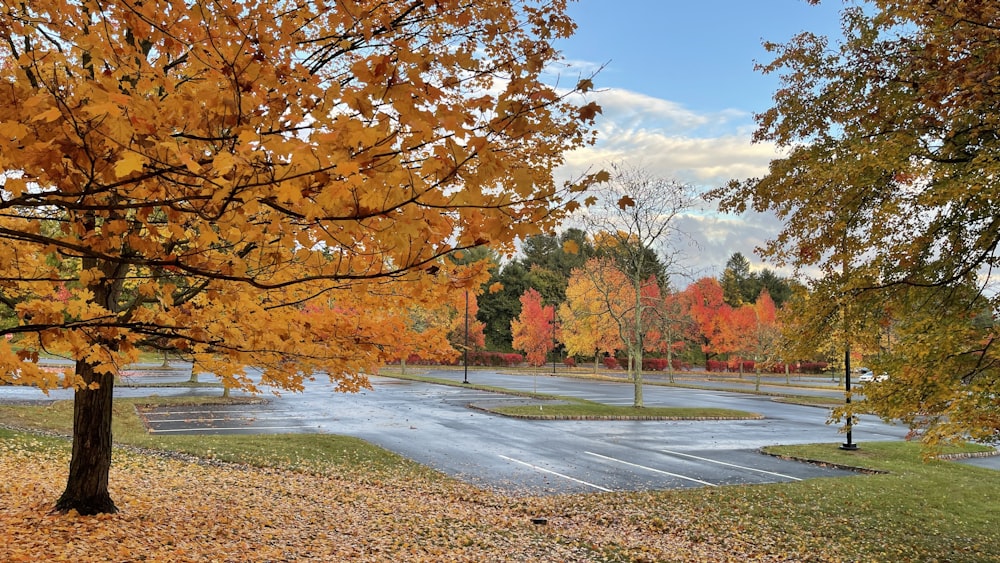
887,187
534,330
194,173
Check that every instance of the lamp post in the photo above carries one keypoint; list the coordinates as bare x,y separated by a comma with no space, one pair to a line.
848,445
553,340
465,378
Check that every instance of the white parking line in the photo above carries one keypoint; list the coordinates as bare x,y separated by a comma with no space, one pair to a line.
542,469
213,429
653,469
215,419
731,465
203,411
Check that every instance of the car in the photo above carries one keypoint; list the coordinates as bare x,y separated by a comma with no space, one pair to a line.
866,375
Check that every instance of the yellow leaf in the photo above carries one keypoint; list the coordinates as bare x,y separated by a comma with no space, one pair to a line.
223,163
50,114
131,162
571,247
90,275
189,162
13,130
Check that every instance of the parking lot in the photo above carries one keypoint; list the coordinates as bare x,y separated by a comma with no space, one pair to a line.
434,425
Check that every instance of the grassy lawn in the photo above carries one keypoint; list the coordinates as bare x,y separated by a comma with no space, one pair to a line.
312,452
916,511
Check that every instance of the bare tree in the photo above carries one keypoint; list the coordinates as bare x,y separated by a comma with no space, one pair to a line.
634,223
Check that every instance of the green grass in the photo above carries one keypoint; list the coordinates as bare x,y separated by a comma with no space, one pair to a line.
586,409
811,401
918,511
320,453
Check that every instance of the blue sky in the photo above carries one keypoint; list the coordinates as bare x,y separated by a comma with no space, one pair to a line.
678,92
699,53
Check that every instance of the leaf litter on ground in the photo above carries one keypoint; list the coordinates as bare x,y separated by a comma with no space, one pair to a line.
178,509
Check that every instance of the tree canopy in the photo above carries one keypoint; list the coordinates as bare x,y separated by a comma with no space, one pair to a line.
192,173
889,187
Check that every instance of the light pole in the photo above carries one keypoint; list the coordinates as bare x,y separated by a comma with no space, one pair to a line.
848,445
465,378
553,340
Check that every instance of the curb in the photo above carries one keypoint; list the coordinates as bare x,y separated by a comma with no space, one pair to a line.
834,465
613,417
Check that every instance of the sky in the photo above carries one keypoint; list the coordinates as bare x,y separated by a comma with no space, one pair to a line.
678,90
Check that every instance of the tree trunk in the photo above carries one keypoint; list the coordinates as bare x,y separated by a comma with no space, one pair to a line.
670,363
637,380
636,356
87,485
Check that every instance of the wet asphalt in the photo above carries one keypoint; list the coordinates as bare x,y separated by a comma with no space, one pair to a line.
437,425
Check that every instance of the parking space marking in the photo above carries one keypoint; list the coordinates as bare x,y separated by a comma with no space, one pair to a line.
250,418
218,428
653,469
705,459
542,469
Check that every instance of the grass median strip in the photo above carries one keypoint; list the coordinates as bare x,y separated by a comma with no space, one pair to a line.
586,410
559,407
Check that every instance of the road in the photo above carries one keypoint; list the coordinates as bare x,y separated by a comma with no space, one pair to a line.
433,424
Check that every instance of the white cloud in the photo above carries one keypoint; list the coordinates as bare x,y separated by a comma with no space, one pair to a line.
671,141
705,150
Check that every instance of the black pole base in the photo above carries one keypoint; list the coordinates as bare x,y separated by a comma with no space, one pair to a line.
849,446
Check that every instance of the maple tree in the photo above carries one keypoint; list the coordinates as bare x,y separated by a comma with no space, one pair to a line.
533,330
672,327
607,312
419,331
765,334
710,313
735,337
751,330
466,332
195,172
895,125
587,325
